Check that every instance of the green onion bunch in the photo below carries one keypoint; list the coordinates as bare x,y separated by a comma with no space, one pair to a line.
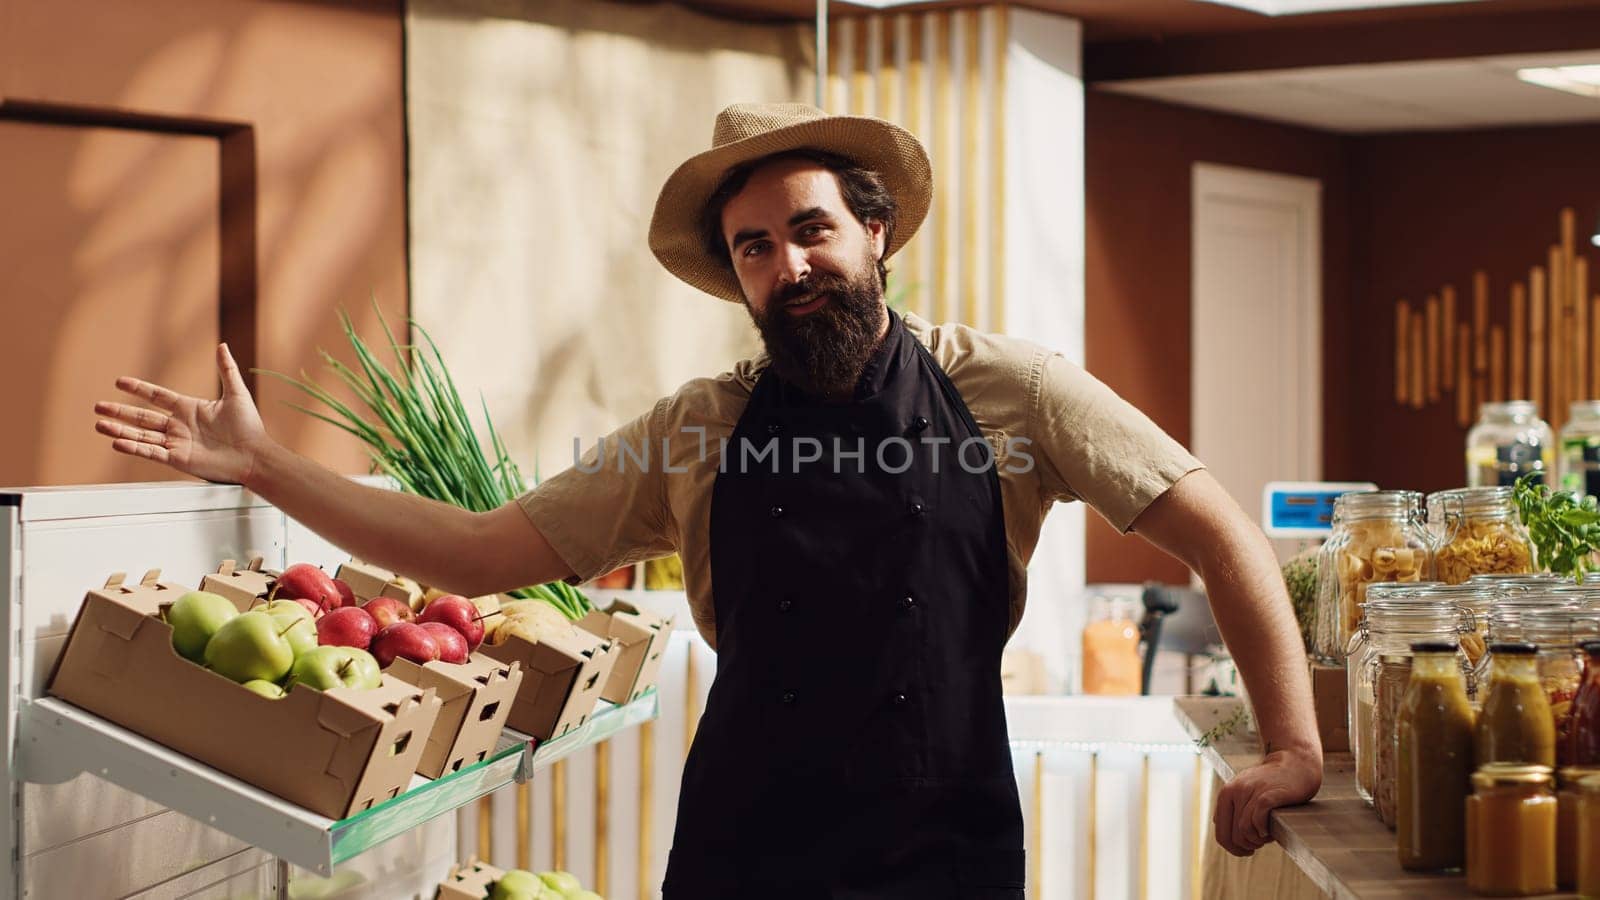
419,434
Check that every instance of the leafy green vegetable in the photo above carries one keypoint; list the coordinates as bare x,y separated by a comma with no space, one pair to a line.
1565,526
419,434
1300,578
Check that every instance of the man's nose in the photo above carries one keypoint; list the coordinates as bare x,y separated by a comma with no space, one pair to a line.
795,266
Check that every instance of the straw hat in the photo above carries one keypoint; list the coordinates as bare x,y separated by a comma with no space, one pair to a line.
748,131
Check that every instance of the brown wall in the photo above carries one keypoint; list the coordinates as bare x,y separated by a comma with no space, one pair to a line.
1139,158
1430,209
296,206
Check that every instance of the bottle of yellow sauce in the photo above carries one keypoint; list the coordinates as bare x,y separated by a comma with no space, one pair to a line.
1511,831
1435,760
1569,800
1516,724
1587,850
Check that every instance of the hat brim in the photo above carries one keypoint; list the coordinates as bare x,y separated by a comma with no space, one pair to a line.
894,153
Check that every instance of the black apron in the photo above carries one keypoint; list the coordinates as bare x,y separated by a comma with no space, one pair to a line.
854,741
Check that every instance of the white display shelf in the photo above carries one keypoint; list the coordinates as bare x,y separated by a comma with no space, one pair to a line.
58,741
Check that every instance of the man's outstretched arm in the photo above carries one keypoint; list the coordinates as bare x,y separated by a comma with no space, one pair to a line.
1197,522
223,440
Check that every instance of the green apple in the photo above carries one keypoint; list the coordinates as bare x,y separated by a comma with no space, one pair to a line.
299,630
250,646
517,884
563,883
264,688
327,667
287,607
194,618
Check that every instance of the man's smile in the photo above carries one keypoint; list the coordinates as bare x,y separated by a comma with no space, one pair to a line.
807,304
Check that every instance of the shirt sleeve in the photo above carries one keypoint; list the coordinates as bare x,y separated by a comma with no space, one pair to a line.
610,509
1094,446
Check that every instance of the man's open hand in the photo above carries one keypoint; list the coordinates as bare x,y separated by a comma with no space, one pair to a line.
218,440
1283,778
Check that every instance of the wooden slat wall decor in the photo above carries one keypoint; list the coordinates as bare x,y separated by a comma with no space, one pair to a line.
1534,343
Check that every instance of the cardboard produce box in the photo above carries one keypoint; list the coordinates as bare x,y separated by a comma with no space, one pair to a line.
333,752
243,587
475,698
368,581
641,639
562,676
1330,699
469,882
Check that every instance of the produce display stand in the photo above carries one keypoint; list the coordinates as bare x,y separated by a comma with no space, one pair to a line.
1336,840
76,536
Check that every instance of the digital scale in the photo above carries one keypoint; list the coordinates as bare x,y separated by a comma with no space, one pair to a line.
1304,509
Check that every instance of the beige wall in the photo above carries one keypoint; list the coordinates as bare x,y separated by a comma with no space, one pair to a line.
540,133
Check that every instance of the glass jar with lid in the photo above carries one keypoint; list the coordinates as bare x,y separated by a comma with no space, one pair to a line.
1511,831
1507,614
1479,600
1435,761
1580,449
1569,801
1509,441
1478,531
1377,537
1589,836
1377,668
1112,665
1515,725
1558,633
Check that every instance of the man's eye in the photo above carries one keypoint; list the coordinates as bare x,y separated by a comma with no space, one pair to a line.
812,230
753,248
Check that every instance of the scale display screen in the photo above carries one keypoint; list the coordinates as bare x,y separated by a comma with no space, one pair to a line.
1303,509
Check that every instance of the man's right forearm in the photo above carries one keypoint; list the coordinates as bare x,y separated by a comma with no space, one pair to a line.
436,543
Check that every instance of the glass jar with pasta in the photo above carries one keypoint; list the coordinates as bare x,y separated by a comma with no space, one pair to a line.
1478,602
1377,537
1478,531
1558,633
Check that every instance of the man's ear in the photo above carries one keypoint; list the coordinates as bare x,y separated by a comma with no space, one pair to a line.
880,238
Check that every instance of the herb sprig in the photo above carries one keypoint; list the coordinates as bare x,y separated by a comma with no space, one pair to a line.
1565,526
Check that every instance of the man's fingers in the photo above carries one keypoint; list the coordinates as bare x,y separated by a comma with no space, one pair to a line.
137,416
128,432
232,381
141,450
1222,821
1260,812
152,393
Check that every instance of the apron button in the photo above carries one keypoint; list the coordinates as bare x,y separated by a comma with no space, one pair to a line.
919,423
788,698
907,602
916,507
774,428
785,604
777,511
899,699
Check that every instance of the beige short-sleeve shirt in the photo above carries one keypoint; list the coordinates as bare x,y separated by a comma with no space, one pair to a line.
644,491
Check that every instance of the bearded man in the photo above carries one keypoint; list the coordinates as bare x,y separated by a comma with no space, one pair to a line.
855,510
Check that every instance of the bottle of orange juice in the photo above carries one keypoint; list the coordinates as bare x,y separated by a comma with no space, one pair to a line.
1111,662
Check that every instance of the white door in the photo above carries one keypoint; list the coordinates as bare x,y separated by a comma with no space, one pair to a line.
1257,364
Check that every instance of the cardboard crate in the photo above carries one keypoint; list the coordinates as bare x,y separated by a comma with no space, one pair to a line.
243,587
1330,700
368,581
562,676
641,638
475,697
334,752
469,882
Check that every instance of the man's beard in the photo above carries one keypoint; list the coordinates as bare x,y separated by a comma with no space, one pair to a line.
823,353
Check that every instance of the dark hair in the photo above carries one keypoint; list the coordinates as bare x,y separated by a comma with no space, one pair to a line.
863,190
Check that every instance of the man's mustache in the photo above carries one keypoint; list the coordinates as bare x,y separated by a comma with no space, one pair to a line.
814,285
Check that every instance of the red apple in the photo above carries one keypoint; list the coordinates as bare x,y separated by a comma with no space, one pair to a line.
303,581
388,610
348,626
404,639
452,646
459,613
347,597
310,606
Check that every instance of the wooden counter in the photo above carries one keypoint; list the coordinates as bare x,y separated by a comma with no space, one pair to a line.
1337,840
